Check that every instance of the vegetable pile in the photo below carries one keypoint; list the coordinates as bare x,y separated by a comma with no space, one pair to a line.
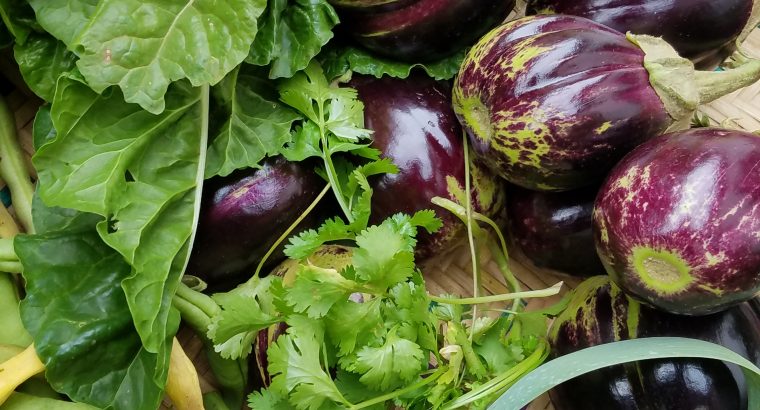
270,175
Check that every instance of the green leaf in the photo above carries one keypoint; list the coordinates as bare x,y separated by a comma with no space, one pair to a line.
305,144
267,399
140,172
315,290
87,339
308,241
295,367
41,60
339,60
143,47
18,18
564,368
43,130
257,126
388,366
350,324
384,257
51,219
291,33
245,310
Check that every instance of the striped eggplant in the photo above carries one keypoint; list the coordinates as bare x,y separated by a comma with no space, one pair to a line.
553,229
599,312
420,31
677,223
413,125
552,102
704,31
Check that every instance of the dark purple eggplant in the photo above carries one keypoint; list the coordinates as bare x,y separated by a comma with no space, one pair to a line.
553,229
420,30
243,214
677,222
599,312
552,102
704,31
414,125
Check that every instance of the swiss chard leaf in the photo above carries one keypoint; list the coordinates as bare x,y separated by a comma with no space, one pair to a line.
291,33
18,18
87,339
338,60
139,171
144,46
257,127
41,60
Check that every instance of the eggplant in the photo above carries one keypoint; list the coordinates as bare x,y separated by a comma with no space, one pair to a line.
704,31
553,229
414,125
244,213
599,312
676,223
553,102
420,31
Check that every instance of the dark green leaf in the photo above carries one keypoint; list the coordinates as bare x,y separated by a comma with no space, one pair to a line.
43,130
257,126
339,60
42,59
87,339
18,18
49,219
291,33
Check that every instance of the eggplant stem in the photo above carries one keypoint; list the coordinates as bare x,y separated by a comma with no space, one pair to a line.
13,168
183,386
17,370
713,85
541,293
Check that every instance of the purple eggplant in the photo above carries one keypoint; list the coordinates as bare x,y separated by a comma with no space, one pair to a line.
420,30
677,223
243,214
415,126
704,31
599,312
553,102
553,229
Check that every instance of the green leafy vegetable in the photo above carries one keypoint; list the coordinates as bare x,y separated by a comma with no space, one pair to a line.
338,60
143,47
42,59
258,126
291,33
142,172
18,19
92,324
593,358
398,360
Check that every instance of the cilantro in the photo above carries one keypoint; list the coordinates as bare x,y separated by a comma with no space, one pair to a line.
398,360
350,323
384,258
316,290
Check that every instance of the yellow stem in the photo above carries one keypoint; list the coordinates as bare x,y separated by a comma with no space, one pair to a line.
17,370
8,225
183,386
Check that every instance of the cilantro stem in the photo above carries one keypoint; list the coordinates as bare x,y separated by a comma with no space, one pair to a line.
470,237
542,293
474,365
392,395
290,229
332,173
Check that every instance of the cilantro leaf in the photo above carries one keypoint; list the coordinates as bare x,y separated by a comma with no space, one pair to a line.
245,310
384,257
294,363
350,324
397,361
305,143
308,241
315,290
268,399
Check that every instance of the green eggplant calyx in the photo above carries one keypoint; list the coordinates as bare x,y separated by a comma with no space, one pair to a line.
672,77
713,85
752,22
660,270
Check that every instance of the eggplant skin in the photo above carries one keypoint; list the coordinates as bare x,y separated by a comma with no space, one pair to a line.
676,223
553,229
601,313
244,213
704,31
423,30
551,103
414,125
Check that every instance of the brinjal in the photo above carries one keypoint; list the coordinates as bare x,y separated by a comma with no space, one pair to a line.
244,213
599,312
420,31
704,31
414,125
677,223
553,102
553,229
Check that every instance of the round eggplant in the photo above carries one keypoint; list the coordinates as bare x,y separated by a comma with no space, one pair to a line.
704,31
243,214
676,223
599,312
553,102
420,30
413,125
553,230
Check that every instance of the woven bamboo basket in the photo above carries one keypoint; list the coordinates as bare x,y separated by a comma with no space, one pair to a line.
450,273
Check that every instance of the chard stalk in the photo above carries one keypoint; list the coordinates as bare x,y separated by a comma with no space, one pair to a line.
8,226
183,386
13,168
17,370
